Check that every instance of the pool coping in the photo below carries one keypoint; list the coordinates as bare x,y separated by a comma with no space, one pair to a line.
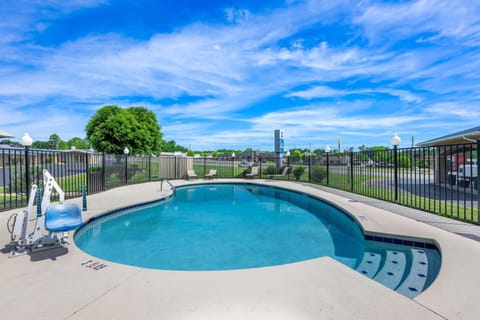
296,291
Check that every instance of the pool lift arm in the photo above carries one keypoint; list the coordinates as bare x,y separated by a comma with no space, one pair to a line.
45,235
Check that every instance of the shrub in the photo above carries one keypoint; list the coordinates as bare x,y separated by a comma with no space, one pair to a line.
318,173
298,171
114,179
95,169
271,170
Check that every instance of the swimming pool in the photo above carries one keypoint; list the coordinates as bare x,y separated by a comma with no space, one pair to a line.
234,226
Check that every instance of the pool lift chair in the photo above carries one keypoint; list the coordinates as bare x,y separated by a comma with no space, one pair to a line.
52,223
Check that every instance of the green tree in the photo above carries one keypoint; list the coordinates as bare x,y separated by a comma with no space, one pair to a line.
40,144
296,155
172,146
169,146
319,151
150,129
112,128
380,154
54,142
79,143
404,161
9,142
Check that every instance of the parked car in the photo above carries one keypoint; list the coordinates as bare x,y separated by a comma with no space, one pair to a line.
383,165
244,164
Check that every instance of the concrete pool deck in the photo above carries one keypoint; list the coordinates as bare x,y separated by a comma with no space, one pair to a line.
53,284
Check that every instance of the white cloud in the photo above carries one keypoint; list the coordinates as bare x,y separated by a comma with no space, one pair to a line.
455,110
331,118
445,19
236,15
317,92
327,92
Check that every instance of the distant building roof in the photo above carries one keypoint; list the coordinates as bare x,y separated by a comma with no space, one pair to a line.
460,137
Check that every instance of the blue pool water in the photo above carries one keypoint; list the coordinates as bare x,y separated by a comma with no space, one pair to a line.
236,226
222,227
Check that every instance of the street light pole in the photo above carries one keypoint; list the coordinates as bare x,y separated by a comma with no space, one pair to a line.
327,151
27,142
395,141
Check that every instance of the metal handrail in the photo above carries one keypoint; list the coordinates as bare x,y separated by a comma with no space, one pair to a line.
171,185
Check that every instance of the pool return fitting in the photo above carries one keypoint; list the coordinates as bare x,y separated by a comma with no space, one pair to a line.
52,223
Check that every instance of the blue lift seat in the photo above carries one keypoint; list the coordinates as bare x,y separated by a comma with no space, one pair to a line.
63,217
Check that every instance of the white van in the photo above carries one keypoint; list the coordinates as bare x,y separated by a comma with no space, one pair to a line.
468,173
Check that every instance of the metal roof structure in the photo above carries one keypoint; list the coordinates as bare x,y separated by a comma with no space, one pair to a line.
460,137
5,134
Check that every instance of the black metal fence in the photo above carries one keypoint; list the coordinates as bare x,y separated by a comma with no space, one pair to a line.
73,170
442,180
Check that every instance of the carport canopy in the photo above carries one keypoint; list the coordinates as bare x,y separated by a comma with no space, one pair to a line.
460,137
5,134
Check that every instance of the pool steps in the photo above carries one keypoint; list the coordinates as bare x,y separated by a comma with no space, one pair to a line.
404,271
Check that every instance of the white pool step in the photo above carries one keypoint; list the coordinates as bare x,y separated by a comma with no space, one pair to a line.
417,277
370,264
392,271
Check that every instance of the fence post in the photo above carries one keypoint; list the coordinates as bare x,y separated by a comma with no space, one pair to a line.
328,173
351,171
87,156
478,183
104,178
150,168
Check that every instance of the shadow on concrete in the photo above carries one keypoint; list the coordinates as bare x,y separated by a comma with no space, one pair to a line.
50,254
470,236
47,254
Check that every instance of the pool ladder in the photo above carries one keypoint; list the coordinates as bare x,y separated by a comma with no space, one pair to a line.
172,187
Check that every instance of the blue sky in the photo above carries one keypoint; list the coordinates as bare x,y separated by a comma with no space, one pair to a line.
225,74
